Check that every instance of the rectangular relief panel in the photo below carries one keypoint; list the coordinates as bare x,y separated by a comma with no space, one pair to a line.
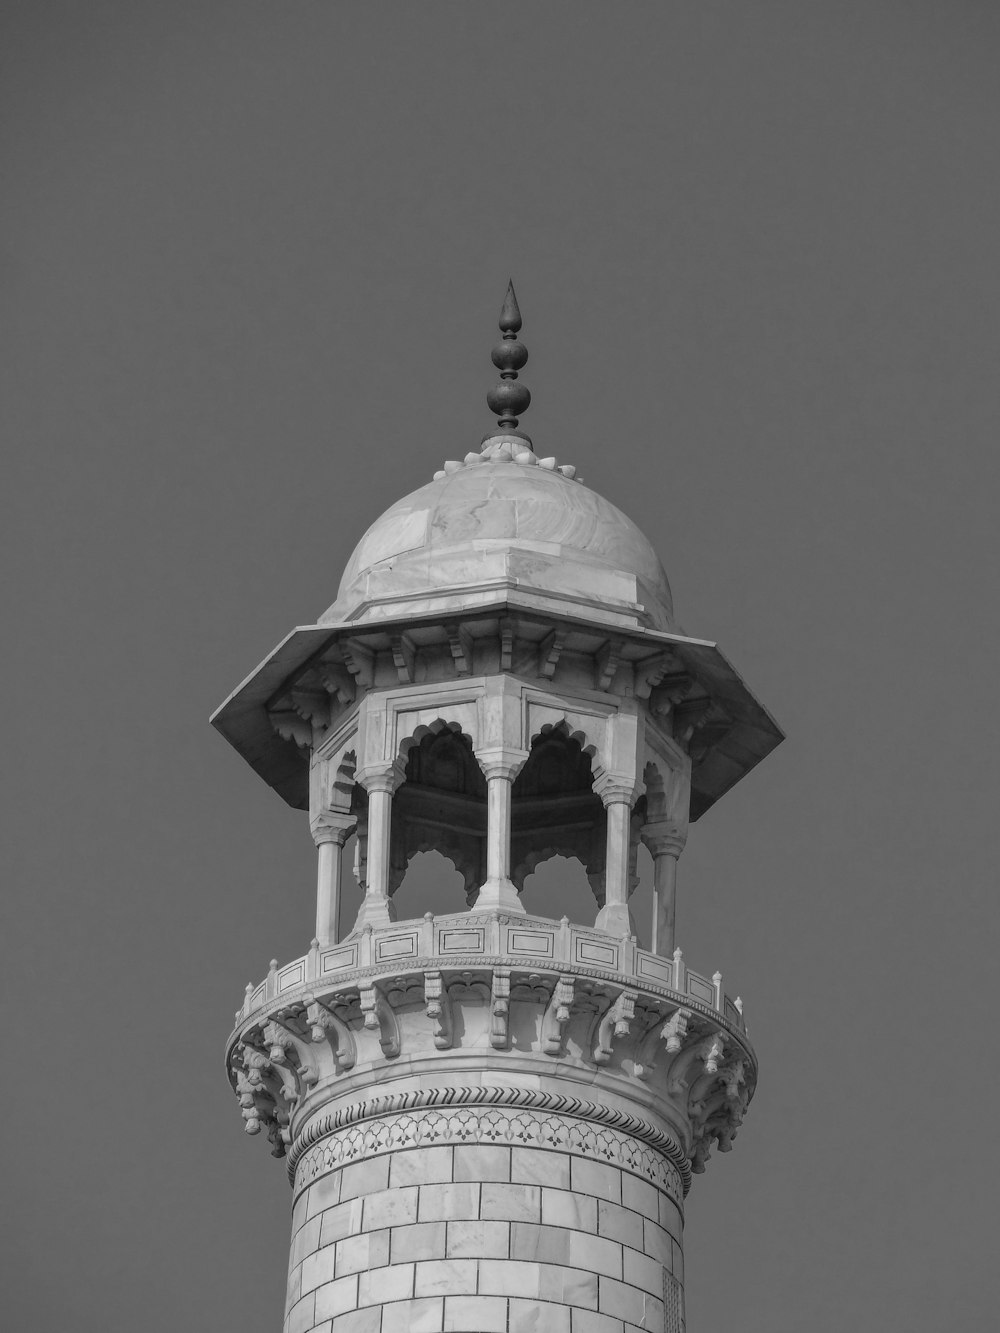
539,943
396,946
653,968
461,941
700,988
338,960
595,952
293,975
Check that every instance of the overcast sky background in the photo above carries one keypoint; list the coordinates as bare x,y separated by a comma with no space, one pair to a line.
252,257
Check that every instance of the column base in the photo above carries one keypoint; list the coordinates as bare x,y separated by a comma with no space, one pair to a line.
615,919
375,912
500,894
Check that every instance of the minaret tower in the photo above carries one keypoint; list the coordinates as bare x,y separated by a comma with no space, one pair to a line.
490,1119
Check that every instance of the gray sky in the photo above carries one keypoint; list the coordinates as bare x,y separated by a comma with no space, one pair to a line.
252,257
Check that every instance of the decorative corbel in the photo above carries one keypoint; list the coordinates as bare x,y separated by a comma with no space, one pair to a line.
672,1032
439,1010
338,683
460,643
291,726
404,657
556,1015
668,692
312,705
549,652
324,1025
506,643
379,1017
359,660
704,1050
650,672
500,1008
615,1023
606,663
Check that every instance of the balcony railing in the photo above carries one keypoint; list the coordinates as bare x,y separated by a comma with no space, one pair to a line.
471,939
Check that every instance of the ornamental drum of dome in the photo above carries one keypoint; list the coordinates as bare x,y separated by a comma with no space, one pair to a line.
490,1119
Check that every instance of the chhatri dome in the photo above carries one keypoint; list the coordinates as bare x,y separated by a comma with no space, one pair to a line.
504,519
491,1114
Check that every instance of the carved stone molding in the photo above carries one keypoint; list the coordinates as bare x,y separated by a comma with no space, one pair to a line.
518,1116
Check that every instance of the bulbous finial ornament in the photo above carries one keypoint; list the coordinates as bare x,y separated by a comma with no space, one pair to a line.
509,398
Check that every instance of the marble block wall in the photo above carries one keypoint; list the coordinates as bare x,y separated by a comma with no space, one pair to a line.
478,1234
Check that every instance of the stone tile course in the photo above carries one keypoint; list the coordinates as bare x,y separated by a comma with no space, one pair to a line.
306,1240
641,1271
484,1314
359,1321
604,1182
426,1240
478,1240
316,1269
445,1202
424,1315
640,1196
482,1161
620,1224
323,1193
622,1301
343,1220
394,1283
528,1316
546,1245
302,1315
421,1166
658,1244
357,1253
444,1277
562,1208
534,1166
595,1255
514,1203
588,1321
337,1297
364,1177
390,1208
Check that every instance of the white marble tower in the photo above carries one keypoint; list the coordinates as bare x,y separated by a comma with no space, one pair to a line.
491,1120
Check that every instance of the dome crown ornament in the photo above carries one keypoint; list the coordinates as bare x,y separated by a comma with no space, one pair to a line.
509,399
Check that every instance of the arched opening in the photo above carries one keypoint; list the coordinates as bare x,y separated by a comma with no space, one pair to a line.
557,819
440,807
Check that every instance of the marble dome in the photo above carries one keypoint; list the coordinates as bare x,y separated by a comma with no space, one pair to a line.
504,524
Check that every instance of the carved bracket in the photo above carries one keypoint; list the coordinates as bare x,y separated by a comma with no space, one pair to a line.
615,1023
549,652
460,643
672,1033
439,1010
324,1025
379,1017
500,1008
557,1015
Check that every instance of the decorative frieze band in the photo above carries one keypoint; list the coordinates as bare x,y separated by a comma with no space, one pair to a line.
506,1116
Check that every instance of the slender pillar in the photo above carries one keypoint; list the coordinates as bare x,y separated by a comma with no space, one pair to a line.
330,833
501,767
614,916
377,908
665,843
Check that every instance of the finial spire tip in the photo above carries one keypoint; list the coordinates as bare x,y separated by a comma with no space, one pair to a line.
508,398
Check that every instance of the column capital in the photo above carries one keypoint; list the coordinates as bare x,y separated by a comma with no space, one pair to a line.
332,826
616,789
663,837
501,761
382,776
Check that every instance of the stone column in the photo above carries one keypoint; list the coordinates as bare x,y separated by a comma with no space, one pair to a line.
665,842
330,832
614,916
379,783
501,767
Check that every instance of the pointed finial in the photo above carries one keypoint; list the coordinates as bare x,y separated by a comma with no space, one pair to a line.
508,398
